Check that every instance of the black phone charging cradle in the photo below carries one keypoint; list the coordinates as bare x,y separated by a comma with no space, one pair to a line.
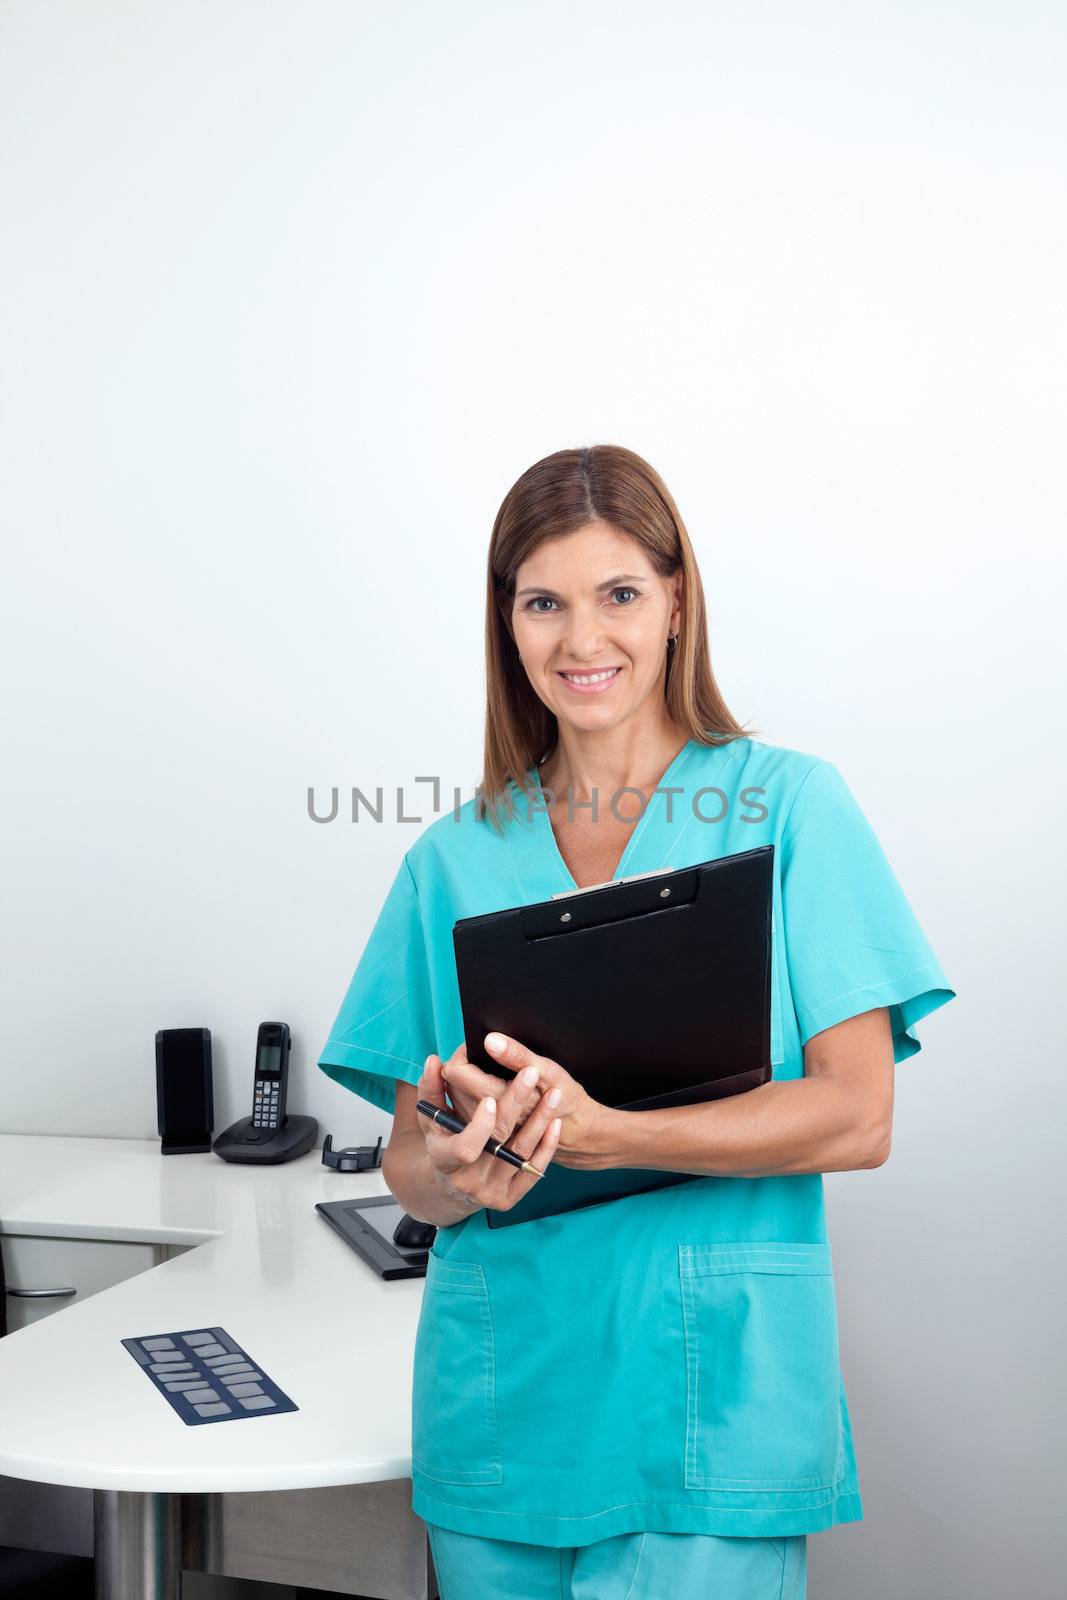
353,1158
266,1146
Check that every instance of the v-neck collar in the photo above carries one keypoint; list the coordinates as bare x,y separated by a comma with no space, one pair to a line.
544,821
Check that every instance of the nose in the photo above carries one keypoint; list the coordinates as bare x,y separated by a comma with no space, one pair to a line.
584,639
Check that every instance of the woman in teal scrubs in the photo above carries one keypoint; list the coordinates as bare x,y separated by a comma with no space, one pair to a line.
640,1397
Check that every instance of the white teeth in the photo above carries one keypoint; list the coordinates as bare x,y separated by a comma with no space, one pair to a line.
594,677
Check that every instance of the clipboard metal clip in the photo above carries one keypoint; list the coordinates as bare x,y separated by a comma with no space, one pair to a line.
611,883
593,907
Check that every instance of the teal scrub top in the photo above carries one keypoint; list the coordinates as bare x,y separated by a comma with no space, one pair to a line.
668,1361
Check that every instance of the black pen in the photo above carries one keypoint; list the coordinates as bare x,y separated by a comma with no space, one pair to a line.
496,1147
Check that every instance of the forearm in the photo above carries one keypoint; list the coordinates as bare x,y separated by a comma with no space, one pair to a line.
407,1170
806,1124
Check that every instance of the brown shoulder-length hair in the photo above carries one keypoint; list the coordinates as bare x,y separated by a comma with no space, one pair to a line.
556,496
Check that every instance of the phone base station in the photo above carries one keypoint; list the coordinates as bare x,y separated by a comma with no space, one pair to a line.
263,1146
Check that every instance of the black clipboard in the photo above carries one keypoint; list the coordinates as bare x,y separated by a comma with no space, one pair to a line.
652,990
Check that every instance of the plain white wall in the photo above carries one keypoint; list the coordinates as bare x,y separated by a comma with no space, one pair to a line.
289,295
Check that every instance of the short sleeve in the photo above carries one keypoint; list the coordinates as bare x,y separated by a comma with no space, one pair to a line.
852,941
385,1029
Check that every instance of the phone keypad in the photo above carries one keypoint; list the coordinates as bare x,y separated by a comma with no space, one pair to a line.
206,1376
265,1105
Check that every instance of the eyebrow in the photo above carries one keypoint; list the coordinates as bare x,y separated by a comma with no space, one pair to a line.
609,583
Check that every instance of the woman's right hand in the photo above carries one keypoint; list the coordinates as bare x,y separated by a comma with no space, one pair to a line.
468,1173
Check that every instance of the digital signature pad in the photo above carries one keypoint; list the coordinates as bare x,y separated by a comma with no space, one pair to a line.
207,1377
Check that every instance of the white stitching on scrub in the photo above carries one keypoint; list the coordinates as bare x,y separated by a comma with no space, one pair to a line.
871,988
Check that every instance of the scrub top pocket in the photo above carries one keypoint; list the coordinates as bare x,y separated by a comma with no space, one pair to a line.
454,1432
759,1321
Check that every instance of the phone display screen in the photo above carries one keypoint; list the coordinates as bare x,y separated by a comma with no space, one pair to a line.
270,1058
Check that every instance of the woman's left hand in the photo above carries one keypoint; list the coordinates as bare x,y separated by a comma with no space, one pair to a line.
581,1116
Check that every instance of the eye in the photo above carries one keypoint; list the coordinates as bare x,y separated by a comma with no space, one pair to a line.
538,601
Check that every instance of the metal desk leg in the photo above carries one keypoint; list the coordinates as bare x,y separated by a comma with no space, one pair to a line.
202,1546
137,1545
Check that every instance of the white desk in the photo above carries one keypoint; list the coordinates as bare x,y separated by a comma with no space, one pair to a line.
78,1410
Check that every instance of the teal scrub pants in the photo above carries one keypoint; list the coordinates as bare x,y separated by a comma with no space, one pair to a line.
630,1566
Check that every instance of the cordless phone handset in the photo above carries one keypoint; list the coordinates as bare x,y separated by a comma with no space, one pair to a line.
272,1076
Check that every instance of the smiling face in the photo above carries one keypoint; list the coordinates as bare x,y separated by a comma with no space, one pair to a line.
590,619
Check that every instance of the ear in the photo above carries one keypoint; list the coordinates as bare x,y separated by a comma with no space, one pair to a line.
679,597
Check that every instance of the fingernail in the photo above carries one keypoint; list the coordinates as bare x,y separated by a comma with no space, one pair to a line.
494,1041
530,1075
555,1097
491,1103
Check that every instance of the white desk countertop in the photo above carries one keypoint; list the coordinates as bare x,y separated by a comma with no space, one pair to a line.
76,1407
